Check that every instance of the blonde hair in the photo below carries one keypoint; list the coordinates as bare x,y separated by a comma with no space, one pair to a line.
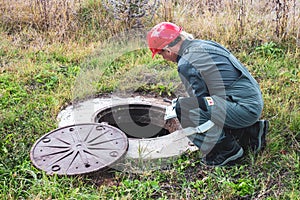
183,36
186,35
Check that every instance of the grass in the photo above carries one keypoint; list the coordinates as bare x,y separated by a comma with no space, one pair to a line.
42,70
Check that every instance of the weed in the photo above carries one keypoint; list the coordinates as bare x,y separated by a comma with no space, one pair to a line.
269,49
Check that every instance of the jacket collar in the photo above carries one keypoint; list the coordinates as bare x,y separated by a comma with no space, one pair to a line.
183,47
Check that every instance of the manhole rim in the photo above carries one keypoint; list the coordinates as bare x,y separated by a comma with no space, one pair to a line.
94,115
87,115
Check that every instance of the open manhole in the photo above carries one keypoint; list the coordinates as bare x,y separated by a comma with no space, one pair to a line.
141,119
135,120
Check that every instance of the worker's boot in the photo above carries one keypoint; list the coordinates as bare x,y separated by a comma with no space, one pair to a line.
225,152
253,137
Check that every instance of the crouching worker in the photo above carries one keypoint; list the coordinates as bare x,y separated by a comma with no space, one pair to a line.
220,89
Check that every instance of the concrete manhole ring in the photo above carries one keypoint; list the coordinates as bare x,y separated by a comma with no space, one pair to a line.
136,117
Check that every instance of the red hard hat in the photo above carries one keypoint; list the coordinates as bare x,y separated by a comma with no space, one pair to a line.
161,35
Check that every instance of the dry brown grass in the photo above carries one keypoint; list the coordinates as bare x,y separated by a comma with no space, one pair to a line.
244,21
55,16
240,23
55,20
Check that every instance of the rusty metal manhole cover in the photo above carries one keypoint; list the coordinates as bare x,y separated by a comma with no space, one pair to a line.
79,149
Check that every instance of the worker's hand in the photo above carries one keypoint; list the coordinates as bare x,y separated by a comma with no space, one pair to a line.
170,113
174,101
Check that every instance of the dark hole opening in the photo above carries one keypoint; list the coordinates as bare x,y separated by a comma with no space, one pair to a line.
136,121
148,130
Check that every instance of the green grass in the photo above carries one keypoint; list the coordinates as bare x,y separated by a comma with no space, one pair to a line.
39,76
32,97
